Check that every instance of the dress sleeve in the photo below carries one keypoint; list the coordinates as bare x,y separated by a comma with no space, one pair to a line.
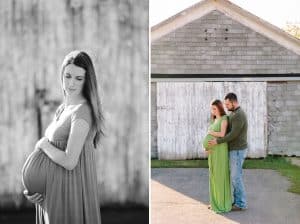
84,113
224,118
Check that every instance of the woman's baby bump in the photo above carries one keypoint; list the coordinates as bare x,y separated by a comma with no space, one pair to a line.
36,168
205,141
34,172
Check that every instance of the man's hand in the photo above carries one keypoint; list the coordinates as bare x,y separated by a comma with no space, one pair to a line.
209,151
212,142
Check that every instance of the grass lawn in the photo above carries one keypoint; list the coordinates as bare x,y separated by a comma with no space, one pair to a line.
279,163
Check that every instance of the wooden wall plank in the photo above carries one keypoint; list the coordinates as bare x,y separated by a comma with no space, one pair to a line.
183,111
35,37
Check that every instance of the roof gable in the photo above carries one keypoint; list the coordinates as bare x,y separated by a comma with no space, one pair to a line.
231,10
217,44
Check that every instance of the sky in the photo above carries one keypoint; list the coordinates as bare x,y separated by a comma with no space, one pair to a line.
276,12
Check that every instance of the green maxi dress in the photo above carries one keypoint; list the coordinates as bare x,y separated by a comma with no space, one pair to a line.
219,177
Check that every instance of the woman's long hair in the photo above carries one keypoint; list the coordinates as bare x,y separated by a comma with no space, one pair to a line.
219,105
90,88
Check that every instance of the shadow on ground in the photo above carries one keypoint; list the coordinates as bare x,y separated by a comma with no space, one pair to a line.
110,215
268,199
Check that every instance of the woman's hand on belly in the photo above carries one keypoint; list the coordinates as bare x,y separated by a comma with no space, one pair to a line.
42,143
35,198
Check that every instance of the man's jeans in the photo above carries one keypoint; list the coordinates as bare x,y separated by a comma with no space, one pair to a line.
237,158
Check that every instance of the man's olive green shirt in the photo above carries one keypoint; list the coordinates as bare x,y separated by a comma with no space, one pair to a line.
236,137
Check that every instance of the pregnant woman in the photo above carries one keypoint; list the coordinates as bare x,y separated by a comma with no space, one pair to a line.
60,174
219,178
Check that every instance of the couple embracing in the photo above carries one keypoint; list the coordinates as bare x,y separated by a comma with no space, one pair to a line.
226,146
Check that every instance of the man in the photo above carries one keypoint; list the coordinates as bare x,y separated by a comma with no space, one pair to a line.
237,142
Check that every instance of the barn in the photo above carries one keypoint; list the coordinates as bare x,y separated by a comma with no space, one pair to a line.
212,48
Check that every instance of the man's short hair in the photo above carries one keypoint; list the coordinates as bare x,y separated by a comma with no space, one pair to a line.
231,97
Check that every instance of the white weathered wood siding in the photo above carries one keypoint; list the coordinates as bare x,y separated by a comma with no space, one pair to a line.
183,111
35,37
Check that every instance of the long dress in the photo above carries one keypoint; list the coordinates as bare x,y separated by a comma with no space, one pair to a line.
70,196
219,176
